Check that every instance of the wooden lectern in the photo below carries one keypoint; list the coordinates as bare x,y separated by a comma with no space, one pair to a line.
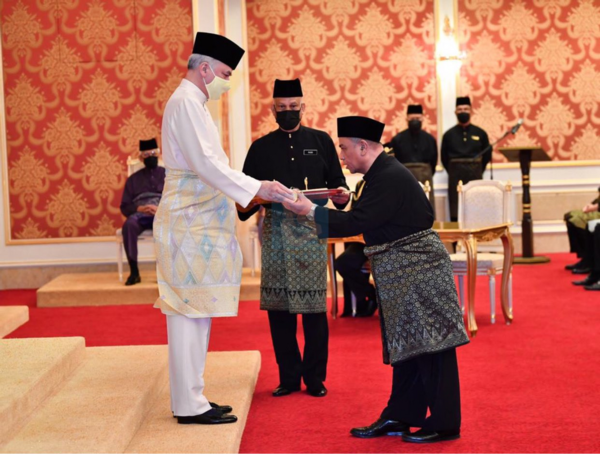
525,155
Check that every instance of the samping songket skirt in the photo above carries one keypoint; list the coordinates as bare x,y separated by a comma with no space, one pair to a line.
198,258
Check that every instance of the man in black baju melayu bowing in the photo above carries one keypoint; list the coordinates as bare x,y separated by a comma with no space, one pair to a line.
421,321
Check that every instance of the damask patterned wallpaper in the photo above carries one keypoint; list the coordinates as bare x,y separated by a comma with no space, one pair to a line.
354,57
84,80
538,60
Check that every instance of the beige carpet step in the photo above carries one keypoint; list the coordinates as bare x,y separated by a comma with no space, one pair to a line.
97,289
11,317
104,289
230,379
30,371
101,407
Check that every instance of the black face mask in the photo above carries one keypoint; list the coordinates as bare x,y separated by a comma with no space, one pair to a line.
151,162
463,117
414,126
288,119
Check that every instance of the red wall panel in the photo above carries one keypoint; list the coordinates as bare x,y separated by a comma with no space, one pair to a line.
84,81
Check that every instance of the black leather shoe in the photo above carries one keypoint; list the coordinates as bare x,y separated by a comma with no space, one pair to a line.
581,270
428,436
371,307
283,391
212,416
594,286
317,392
131,280
222,408
587,281
572,266
381,427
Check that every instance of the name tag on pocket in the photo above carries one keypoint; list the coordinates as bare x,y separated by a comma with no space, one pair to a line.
475,137
311,152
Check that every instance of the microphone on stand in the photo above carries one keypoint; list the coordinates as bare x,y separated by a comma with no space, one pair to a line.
516,127
512,131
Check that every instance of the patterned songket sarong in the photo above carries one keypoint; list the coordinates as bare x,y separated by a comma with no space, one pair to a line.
199,262
294,265
418,304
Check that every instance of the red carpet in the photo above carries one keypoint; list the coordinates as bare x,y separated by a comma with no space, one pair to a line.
529,387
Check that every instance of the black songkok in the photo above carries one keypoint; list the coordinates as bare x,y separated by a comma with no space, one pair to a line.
287,89
414,109
219,48
149,144
360,128
463,101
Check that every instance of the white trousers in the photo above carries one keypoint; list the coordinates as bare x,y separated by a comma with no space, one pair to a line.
188,344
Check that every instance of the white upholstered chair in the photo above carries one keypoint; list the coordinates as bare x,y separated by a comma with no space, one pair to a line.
482,203
133,165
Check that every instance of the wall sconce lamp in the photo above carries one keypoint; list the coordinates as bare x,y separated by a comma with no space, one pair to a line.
447,47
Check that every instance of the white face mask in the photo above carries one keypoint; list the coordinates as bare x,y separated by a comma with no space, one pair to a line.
217,87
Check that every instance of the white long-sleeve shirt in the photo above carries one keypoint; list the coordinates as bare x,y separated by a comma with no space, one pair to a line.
190,141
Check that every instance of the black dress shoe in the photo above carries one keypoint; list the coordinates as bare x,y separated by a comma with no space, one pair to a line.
283,391
429,436
381,427
594,286
212,416
133,279
222,408
581,270
574,265
317,392
590,280
369,310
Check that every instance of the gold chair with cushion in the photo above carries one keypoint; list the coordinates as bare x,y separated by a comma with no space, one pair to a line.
483,203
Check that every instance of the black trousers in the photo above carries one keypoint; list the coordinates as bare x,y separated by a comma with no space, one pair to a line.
591,250
132,228
427,381
577,239
349,264
312,367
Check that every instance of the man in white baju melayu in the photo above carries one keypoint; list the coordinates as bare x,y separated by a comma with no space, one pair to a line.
199,262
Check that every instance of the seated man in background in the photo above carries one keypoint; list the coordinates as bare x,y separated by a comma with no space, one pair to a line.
350,264
576,221
590,251
141,196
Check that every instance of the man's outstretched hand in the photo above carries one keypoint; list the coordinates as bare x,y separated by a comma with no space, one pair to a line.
274,191
301,206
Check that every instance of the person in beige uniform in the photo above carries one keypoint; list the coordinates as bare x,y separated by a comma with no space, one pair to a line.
199,262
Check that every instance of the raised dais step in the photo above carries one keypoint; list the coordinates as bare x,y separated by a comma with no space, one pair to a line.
97,289
11,317
30,371
101,407
230,378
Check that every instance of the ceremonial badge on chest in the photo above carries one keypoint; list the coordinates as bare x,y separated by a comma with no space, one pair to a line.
475,137
310,152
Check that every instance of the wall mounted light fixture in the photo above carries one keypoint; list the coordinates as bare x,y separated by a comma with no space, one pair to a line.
447,46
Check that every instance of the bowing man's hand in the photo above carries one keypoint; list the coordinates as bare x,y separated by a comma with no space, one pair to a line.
341,199
300,206
274,191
